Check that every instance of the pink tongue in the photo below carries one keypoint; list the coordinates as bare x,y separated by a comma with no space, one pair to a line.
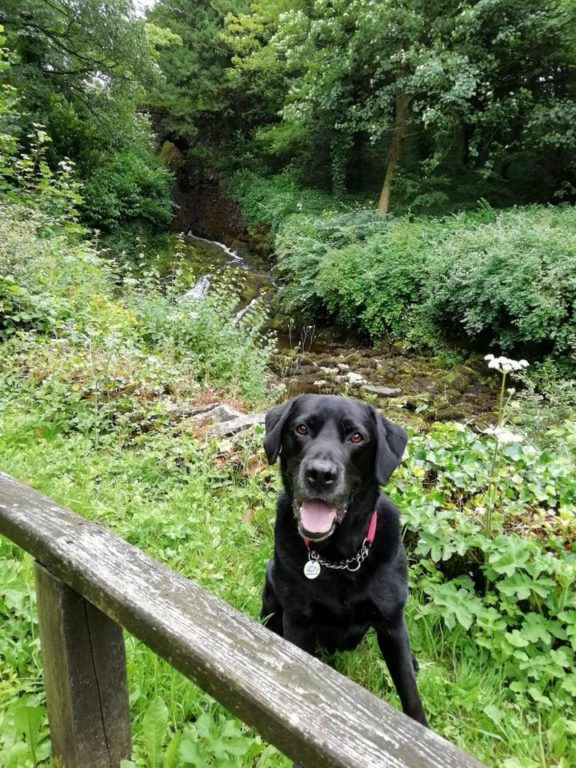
316,516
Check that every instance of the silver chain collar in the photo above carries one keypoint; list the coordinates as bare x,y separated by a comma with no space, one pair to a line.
343,565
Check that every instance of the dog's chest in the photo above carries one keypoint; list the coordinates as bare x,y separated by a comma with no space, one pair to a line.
341,600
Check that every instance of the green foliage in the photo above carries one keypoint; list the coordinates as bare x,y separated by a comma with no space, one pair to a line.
486,88
498,279
99,357
512,282
96,395
212,740
78,74
50,276
379,283
305,242
519,605
129,186
192,98
272,200
177,498
23,724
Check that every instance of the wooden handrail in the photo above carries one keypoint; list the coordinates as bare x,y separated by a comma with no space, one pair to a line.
313,714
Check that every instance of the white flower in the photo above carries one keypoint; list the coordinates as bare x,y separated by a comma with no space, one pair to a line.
503,435
505,364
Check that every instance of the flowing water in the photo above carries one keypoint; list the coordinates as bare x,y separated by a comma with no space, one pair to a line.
422,388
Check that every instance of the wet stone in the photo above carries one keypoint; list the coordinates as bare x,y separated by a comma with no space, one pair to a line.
382,391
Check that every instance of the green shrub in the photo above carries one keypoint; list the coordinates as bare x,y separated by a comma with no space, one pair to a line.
378,284
205,336
494,279
271,200
306,242
511,283
130,185
49,275
512,593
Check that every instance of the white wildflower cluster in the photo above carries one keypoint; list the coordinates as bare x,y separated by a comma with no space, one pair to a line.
504,364
503,435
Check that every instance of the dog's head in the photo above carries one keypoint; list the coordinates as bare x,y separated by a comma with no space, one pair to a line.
330,447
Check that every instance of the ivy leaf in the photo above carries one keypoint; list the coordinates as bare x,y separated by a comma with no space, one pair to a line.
534,629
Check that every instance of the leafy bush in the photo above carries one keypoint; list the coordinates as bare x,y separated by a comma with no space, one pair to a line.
50,274
270,200
513,592
306,242
512,282
127,186
205,336
379,283
500,279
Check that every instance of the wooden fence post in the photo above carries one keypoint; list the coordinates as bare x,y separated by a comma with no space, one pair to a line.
85,678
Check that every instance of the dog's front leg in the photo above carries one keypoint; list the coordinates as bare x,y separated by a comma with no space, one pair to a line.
395,647
271,612
297,630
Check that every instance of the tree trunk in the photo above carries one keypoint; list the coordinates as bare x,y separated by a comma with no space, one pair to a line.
402,109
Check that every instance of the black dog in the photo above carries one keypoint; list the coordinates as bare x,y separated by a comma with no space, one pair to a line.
338,565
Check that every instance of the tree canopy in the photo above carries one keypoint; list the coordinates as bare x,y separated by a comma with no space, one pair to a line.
474,84
429,99
345,91
80,69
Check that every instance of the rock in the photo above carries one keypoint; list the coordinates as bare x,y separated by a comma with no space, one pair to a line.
374,389
226,421
456,381
450,414
221,413
187,410
307,370
233,426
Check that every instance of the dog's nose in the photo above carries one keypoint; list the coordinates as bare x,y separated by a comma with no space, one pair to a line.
321,475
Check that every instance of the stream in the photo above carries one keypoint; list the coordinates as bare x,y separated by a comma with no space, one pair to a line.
422,387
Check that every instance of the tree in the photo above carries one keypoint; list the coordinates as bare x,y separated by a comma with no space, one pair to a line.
80,67
192,99
487,75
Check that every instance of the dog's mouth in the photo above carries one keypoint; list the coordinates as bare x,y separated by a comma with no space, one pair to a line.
317,519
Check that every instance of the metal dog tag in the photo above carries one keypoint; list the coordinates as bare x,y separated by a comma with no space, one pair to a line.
312,569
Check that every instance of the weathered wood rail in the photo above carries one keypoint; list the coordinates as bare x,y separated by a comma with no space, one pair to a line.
91,583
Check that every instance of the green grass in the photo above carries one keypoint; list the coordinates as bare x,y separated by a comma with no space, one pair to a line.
192,518
211,519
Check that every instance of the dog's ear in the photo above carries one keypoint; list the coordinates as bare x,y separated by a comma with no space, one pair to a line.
391,444
274,422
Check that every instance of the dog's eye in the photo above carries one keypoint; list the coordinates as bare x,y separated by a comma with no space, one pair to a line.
302,429
356,438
